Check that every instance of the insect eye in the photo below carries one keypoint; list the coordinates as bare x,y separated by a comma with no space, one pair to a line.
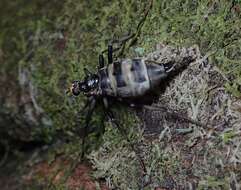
74,85
90,83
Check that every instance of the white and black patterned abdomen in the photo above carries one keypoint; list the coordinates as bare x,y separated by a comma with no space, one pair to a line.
129,78
126,78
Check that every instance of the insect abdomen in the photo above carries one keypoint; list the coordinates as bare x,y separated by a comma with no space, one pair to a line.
156,73
126,78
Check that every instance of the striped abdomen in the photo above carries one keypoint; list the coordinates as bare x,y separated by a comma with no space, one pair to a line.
129,78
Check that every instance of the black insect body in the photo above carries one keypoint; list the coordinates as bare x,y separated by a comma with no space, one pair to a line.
125,78
130,78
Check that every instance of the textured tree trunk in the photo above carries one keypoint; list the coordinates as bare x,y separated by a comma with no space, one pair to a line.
20,114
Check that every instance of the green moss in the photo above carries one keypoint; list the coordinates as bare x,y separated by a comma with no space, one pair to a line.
213,183
65,37
71,38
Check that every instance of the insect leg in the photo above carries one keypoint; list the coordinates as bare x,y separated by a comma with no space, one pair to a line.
101,61
140,24
124,133
134,37
120,43
91,105
87,72
105,102
110,54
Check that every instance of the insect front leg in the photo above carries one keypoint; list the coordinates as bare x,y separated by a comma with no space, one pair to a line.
101,61
108,112
110,54
90,105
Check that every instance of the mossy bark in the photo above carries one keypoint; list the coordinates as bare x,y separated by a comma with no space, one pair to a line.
45,45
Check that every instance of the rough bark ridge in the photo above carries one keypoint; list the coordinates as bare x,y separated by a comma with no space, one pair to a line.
20,114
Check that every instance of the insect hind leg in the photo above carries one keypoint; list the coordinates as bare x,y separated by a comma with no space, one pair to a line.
169,67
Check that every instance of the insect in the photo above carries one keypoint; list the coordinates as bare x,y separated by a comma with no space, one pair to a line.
122,79
127,80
